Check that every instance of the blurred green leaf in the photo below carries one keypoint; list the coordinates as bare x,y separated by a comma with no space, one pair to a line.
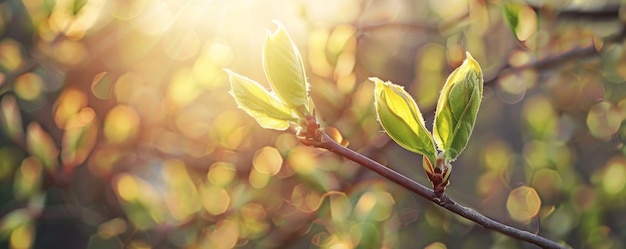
41,145
11,56
102,85
511,15
11,157
13,220
11,118
401,118
263,106
37,202
48,5
100,242
78,5
285,70
340,206
457,108
603,120
370,234
521,20
27,180
79,138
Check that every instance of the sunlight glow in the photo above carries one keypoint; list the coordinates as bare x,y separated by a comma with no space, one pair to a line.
182,197
436,245
268,161
365,204
221,173
215,199
301,159
10,55
69,103
29,86
614,176
22,237
258,179
121,123
305,199
523,204
224,235
340,206
128,188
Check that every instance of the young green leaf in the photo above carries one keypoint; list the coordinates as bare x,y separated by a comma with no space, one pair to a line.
457,108
401,118
285,71
438,174
263,106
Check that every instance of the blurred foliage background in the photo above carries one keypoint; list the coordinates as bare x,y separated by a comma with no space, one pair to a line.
117,130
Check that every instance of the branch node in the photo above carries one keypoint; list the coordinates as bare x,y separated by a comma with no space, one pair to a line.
310,133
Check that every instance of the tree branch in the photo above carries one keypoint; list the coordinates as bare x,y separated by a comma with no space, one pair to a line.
324,141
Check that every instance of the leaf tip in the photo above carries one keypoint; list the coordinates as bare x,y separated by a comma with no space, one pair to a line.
278,23
472,63
279,29
468,55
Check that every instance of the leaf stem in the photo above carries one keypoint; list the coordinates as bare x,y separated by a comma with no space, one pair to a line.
328,143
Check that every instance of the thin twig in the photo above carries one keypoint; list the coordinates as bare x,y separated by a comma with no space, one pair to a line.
324,141
544,64
557,60
428,27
